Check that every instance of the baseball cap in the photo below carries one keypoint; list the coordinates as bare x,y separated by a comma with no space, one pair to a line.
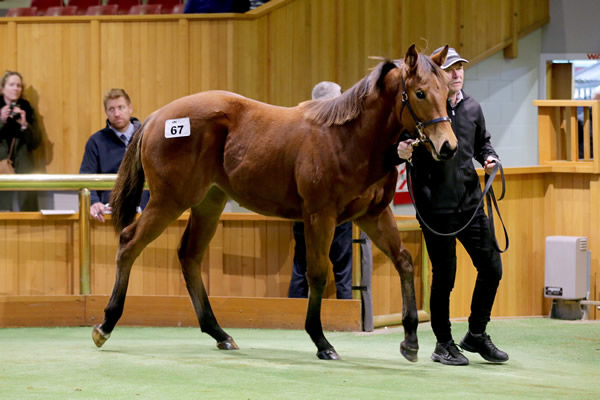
452,58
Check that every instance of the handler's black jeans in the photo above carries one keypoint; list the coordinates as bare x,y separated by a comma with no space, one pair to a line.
477,241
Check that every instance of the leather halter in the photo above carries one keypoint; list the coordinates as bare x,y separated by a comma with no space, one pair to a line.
420,126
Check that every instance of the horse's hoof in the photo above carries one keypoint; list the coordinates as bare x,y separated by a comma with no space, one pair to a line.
328,354
228,344
98,336
410,353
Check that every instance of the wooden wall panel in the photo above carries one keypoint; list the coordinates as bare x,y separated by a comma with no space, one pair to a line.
9,259
437,24
382,36
351,44
529,12
250,48
484,26
276,55
289,56
37,257
55,64
323,38
210,47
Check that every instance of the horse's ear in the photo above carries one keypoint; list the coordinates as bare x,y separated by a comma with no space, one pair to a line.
411,59
440,57
386,67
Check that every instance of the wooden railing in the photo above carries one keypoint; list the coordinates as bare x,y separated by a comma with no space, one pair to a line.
569,135
249,257
80,183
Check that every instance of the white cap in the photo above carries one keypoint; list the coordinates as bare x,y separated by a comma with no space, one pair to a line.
452,58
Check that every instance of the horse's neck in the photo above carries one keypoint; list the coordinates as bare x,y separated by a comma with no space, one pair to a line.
377,130
374,133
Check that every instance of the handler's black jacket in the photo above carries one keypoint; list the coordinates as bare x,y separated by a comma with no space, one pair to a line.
453,186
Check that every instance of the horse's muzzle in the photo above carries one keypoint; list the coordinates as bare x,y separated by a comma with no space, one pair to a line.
446,152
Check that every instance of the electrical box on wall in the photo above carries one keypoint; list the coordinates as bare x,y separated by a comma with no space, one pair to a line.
567,267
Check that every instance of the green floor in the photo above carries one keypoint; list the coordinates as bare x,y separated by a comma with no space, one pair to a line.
550,359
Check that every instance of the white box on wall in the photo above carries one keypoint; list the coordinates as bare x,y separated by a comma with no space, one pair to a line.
567,270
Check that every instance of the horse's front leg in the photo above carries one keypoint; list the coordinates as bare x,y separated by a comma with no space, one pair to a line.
382,230
318,232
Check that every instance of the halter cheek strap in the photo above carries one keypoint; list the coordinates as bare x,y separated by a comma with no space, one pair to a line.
420,126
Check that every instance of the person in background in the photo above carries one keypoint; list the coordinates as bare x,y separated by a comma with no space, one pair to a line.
216,6
19,127
595,95
257,3
340,253
446,194
105,149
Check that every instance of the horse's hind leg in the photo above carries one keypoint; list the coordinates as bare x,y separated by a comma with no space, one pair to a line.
199,231
132,240
383,232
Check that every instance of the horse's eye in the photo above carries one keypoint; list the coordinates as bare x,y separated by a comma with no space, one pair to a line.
420,94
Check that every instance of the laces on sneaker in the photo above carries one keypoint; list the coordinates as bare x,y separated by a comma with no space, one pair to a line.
453,349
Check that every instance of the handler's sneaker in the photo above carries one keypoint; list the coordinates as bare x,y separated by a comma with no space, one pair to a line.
449,354
482,344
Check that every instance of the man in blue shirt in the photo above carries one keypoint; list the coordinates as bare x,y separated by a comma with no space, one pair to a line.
105,149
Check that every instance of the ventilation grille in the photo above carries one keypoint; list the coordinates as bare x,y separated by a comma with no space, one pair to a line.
582,244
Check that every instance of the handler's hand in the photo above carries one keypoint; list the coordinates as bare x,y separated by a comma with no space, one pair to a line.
405,149
97,211
489,164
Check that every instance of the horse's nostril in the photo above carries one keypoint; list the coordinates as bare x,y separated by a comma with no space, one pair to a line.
447,152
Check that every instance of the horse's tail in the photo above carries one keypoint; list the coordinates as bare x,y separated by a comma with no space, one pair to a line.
127,193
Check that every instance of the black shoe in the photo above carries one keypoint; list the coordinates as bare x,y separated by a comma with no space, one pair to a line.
482,344
449,354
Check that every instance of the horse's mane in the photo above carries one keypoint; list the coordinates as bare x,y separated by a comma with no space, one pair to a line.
349,105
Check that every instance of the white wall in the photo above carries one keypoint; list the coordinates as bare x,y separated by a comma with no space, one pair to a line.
573,27
506,88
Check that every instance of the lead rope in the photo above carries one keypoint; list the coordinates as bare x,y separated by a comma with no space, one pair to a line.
488,194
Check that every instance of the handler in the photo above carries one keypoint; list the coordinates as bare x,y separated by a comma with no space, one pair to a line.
447,193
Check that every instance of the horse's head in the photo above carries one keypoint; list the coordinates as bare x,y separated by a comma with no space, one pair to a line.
421,102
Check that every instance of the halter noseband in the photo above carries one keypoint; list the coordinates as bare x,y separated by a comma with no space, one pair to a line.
420,126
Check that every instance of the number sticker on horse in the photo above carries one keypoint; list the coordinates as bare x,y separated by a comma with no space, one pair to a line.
175,128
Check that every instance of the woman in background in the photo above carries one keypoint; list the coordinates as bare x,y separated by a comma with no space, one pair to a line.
18,122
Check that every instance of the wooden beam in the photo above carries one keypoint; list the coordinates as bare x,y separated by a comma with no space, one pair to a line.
20,311
512,50
231,312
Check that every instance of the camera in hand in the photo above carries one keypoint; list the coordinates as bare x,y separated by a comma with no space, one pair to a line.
14,114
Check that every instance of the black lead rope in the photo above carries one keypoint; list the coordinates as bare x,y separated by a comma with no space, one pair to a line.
488,194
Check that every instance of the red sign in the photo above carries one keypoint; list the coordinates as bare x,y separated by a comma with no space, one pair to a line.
402,196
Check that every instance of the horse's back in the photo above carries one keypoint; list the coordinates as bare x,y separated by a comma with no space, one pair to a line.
244,146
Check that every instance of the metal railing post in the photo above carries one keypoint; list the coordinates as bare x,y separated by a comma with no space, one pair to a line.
84,241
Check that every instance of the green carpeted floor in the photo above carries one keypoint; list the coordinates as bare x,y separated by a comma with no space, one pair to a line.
550,359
